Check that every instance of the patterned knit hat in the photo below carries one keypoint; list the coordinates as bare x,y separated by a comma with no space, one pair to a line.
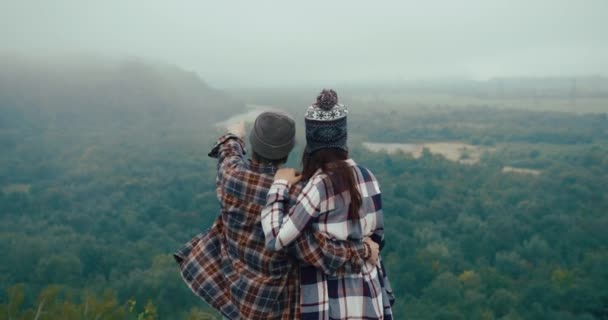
326,123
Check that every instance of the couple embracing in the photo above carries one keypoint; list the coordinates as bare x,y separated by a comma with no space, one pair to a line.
289,245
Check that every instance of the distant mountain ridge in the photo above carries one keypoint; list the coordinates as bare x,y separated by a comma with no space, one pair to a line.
105,92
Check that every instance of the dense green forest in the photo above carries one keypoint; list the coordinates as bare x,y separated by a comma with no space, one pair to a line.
104,173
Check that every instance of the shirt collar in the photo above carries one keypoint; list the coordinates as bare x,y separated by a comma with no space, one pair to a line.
349,163
262,168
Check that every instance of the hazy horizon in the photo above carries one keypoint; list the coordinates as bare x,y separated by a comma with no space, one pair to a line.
248,44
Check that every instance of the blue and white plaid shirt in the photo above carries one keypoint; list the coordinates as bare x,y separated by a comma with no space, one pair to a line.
357,295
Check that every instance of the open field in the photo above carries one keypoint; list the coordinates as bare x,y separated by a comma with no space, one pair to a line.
455,151
508,169
17,188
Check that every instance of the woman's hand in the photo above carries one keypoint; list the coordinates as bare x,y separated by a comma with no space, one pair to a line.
289,174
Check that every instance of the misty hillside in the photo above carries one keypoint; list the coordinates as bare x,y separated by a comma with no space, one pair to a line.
103,173
89,93
485,123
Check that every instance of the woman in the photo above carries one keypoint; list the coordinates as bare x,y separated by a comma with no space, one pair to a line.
341,200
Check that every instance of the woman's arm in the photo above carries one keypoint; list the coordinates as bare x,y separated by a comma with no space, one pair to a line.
281,227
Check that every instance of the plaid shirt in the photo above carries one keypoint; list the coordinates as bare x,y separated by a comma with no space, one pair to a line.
228,266
362,295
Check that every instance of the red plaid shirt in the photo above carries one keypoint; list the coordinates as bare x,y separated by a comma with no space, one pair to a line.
228,265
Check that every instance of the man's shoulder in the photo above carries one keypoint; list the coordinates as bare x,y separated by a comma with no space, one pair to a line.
249,174
246,185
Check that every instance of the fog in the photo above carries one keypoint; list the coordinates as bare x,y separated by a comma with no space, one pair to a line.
276,43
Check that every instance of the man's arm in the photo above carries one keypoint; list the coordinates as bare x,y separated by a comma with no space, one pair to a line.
283,224
378,235
229,150
328,255
378,232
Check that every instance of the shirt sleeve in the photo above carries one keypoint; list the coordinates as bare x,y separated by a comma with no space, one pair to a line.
330,256
281,227
287,228
229,150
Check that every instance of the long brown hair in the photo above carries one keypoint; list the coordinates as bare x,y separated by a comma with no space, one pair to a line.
342,177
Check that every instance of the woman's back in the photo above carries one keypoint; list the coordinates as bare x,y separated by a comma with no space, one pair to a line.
324,205
363,289
342,201
333,220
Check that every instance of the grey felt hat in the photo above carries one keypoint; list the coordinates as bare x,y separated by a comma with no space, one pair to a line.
273,135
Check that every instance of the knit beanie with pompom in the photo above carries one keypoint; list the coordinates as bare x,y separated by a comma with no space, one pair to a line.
326,123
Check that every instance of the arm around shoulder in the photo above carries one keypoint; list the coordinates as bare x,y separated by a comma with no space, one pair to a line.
282,224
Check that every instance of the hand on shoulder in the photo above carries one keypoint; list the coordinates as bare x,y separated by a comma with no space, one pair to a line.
374,250
291,175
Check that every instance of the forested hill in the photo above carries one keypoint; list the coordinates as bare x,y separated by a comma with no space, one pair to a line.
103,173
490,213
89,93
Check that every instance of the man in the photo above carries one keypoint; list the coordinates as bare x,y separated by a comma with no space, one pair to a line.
228,266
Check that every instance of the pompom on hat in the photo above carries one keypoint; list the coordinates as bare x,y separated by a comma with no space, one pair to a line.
326,123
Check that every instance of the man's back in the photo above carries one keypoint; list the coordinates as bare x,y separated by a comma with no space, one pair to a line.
257,277
228,266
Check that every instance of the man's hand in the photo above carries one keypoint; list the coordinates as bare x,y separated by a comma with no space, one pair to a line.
289,174
375,250
237,128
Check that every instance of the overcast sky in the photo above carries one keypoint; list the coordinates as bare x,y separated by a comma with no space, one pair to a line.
241,43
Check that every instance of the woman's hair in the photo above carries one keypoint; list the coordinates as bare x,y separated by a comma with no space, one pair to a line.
342,177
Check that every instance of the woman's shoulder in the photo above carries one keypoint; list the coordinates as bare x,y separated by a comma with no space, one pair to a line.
318,177
364,171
